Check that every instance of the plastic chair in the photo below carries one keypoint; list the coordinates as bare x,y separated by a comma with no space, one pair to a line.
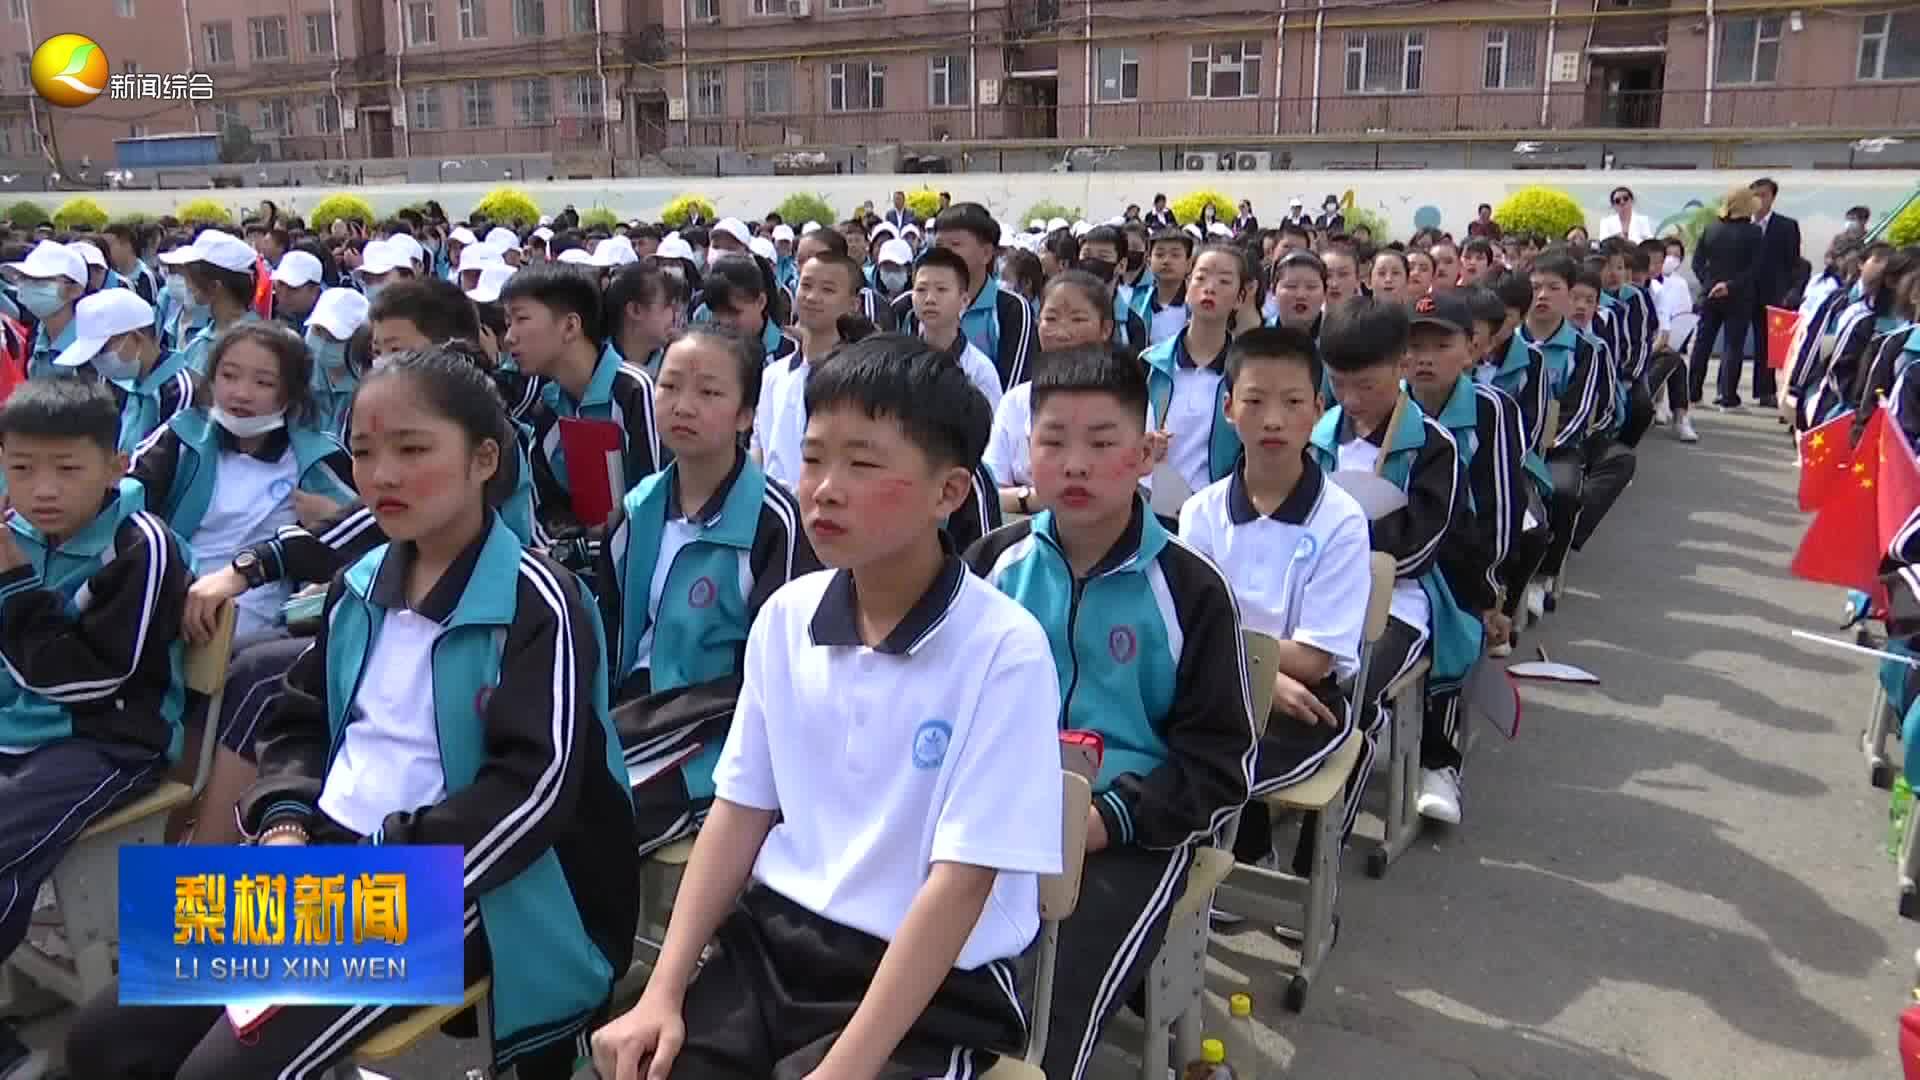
391,1042
87,881
1882,723
1407,700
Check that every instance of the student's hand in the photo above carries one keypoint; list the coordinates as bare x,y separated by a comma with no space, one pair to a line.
1291,696
1499,627
1718,292
490,345
313,509
204,598
649,1036
1096,831
11,557
1157,442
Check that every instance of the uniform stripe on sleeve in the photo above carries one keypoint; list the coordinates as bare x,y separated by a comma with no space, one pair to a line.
154,535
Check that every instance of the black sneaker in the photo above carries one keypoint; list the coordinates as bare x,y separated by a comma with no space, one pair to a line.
17,1061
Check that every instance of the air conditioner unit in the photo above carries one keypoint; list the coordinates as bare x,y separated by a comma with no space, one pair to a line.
1197,162
1245,161
799,9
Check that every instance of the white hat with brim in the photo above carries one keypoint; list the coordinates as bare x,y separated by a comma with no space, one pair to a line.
297,268
614,251
1056,224
340,312
492,280
673,247
409,248
464,235
910,230
216,248
1081,228
898,252
1217,229
542,233
89,253
503,238
735,228
809,227
1194,231
101,317
764,248
382,257
1037,225
784,232
479,257
574,256
886,227
49,259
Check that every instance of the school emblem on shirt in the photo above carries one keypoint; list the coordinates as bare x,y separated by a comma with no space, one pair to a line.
930,744
280,489
701,593
1306,547
1121,644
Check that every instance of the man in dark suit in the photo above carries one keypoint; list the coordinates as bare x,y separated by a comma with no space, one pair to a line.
900,217
1773,279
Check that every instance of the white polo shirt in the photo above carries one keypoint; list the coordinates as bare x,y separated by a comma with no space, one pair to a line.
1409,599
979,370
780,422
1192,410
1300,573
883,761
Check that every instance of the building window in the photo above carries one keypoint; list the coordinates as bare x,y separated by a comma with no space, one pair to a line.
276,117
1119,74
1890,46
766,7
17,10
532,102
1230,70
856,87
6,139
422,24
1749,50
326,115
1512,59
709,92
530,18
851,5
269,35
218,39
473,18
705,11
423,107
319,34
585,19
476,104
124,9
584,97
949,81
1385,61
23,64
769,88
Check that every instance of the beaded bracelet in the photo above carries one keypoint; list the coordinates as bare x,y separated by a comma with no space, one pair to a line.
286,829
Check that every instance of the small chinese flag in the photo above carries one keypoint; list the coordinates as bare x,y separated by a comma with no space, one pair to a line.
262,288
1842,546
1780,326
1825,454
1899,488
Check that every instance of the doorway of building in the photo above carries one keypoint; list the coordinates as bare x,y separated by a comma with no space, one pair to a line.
379,124
1625,91
1034,107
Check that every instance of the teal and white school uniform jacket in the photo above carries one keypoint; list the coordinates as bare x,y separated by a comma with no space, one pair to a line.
149,402
678,595
1149,653
1485,425
997,322
536,796
1520,371
199,345
1223,443
1570,364
90,632
619,393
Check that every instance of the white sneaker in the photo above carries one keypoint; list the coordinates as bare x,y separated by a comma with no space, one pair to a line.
1440,795
1500,651
1536,601
1683,429
1662,413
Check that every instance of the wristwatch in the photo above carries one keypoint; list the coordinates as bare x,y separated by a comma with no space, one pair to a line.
247,565
1026,494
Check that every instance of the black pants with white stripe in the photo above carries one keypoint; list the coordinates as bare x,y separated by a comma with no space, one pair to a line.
663,812
255,680
1398,649
782,983
48,797
1291,752
1610,468
1440,743
1126,898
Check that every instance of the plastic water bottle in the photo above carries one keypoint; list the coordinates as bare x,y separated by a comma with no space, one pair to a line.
1246,1049
1897,810
1212,1064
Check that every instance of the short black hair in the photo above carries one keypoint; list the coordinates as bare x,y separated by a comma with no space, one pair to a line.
748,354
437,308
1766,182
1295,260
856,275
1242,265
732,279
1294,228
1480,246
1172,236
969,217
1273,344
1092,369
1556,263
1638,260
893,376
63,407
1861,212
453,387
1615,245
1063,246
1363,333
561,289
1588,276
1515,290
941,258
1106,234
1485,305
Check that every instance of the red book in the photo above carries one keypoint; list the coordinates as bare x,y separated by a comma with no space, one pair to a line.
596,467
1825,454
1780,326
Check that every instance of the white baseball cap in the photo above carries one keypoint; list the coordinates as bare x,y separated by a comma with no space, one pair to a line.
546,219
492,280
1081,228
543,233
104,315
1056,224
614,251
340,312
735,228
297,268
784,231
1295,201
576,256
50,259
910,230
503,238
89,254
1037,225
764,248
463,234
1193,231
673,247
885,227
896,251
811,226
410,248
221,249
479,257
1217,229
383,257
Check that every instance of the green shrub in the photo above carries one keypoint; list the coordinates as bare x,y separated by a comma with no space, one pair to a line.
80,213
509,206
132,217
675,213
26,215
1047,210
336,207
203,212
925,204
599,218
1186,209
1904,229
1544,211
801,207
1375,222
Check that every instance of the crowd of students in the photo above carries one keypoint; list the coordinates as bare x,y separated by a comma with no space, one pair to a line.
888,528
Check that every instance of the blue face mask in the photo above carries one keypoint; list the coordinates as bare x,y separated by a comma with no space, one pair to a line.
373,290
327,353
41,297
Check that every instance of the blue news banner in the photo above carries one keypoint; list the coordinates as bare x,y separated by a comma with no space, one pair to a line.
329,925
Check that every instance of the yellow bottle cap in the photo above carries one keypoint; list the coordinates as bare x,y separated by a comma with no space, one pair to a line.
1213,1052
1240,1005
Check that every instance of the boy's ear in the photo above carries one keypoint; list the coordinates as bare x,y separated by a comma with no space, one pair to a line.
956,484
121,461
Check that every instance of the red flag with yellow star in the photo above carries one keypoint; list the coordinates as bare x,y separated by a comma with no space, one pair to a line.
1898,491
1780,326
1842,546
1825,454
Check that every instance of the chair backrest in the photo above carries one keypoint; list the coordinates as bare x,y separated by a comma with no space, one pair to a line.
1379,596
207,664
1552,429
1060,893
1263,659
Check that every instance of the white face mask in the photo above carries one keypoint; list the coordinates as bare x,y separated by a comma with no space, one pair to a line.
117,367
1671,265
894,280
246,427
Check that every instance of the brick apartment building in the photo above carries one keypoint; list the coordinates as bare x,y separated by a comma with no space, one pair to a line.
333,79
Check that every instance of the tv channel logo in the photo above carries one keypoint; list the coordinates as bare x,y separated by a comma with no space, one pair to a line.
70,70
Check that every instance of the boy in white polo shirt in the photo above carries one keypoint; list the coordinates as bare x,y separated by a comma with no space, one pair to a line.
1295,546
829,288
887,792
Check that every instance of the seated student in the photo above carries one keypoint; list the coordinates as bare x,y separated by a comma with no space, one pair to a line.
337,316
738,291
1878,313
452,610
1891,352
1630,310
383,264
1185,373
1574,377
940,286
1842,309
997,322
1485,424
1377,428
1295,548
1103,254
113,335
1609,465
296,288
698,549
829,288
1151,632
817,241
1300,287
870,901
1493,323
1388,278
218,268
51,281
891,275
92,690
554,330
644,306
1162,302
